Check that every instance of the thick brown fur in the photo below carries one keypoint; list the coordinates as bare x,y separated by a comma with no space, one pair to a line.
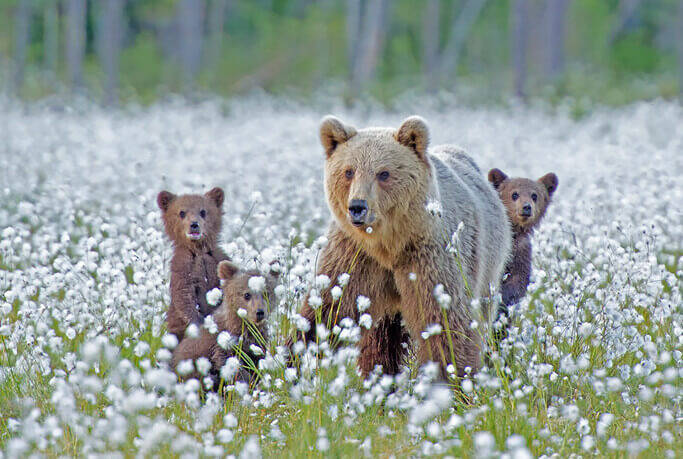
526,202
195,254
400,261
251,330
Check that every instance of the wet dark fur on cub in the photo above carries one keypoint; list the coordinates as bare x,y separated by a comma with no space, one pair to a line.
526,202
193,224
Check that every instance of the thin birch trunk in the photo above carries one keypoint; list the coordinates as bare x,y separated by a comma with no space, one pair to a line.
75,42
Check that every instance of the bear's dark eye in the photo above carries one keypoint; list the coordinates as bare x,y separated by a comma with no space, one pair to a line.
202,213
383,176
349,174
182,214
515,196
247,296
534,196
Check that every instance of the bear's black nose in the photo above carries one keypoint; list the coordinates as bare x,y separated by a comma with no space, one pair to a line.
260,314
194,226
526,210
358,209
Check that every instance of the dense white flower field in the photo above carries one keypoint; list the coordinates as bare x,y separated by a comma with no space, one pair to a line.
592,365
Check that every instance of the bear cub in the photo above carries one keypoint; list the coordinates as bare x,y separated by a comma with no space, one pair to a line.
526,202
193,224
242,313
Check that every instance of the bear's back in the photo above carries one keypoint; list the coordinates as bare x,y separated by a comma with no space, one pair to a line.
466,196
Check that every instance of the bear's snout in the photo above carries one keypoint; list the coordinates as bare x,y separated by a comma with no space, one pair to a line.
260,314
526,210
358,210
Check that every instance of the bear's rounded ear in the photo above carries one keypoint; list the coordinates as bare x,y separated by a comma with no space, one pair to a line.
496,177
216,195
550,182
414,134
333,132
164,200
227,269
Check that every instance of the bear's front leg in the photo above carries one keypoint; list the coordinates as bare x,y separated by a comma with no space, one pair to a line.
341,256
443,331
385,344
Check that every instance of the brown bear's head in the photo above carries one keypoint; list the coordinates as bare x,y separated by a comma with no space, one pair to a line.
376,175
255,298
525,200
192,220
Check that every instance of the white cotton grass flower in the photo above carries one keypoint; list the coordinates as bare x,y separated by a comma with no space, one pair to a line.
251,449
443,298
256,283
368,230
225,340
434,207
343,279
185,367
230,368
169,341
213,296
431,330
203,365
363,303
192,331
336,292
210,325
256,350
242,313
322,281
365,321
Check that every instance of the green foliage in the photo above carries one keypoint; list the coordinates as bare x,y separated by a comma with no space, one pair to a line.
291,45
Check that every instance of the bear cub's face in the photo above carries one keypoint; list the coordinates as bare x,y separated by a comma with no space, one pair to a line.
525,200
373,175
192,219
255,297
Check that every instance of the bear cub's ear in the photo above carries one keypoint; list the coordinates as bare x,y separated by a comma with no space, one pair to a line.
216,195
550,182
333,132
496,177
164,200
414,134
227,269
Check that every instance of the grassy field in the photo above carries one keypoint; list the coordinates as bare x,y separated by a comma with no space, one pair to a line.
592,365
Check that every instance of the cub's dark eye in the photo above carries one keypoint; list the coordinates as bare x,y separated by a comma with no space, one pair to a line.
383,176
202,213
534,197
349,173
182,214
515,196
247,296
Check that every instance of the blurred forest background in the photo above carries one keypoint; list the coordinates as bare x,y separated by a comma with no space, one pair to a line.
122,51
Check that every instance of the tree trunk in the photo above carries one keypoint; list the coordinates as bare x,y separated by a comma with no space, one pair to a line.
51,38
110,34
520,39
22,26
217,13
75,42
353,27
191,17
556,26
373,31
430,43
462,24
